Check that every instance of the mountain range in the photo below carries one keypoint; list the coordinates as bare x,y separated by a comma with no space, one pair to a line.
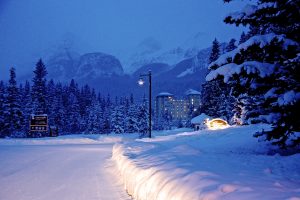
175,70
105,73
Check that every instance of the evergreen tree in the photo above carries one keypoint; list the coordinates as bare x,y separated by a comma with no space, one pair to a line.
213,97
131,121
58,109
26,106
215,51
254,30
94,120
117,120
14,116
231,45
243,38
50,101
267,68
244,109
3,111
107,115
99,97
39,89
214,92
85,99
72,113
143,118
166,120
131,99
225,105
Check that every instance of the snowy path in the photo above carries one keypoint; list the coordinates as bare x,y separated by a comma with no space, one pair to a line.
64,172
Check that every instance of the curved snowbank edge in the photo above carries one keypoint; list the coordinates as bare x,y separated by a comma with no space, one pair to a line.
150,183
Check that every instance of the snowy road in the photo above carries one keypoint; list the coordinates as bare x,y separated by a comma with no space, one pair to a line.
63,172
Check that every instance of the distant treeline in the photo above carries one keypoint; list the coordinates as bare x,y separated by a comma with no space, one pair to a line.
71,109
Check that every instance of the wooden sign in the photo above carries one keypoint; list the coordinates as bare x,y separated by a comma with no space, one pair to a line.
38,123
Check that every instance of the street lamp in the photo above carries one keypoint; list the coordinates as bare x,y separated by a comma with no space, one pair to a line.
141,83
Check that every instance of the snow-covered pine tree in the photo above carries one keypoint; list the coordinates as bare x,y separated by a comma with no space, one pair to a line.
131,99
58,109
94,119
243,38
72,113
225,103
215,51
85,99
50,101
267,66
215,93
14,116
231,45
26,106
209,90
106,106
106,126
117,120
93,94
99,97
166,120
131,121
3,111
38,91
143,118
127,105
21,91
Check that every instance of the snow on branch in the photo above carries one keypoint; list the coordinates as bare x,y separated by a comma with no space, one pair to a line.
228,70
249,10
262,40
246,11
288,98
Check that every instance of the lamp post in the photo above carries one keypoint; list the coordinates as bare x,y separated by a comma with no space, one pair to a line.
141,82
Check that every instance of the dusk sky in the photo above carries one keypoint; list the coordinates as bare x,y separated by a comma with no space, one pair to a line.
30,29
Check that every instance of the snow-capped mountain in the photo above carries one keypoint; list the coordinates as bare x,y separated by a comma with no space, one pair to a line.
187,72
101,71
150,51
174,70
156,69
63,64
93,65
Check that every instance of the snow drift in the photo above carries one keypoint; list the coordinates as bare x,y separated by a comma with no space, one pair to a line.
208,164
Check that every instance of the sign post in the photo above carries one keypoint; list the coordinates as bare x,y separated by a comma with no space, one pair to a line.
39,122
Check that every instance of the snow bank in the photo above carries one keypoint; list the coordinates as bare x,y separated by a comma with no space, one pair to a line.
219,164
153,183
62,140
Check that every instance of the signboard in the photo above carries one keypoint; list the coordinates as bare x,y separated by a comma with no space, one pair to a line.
38,123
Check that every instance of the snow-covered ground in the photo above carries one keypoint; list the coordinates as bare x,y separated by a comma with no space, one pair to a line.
177,164
208,164
63,168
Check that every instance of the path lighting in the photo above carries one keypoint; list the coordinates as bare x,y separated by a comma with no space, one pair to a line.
141,82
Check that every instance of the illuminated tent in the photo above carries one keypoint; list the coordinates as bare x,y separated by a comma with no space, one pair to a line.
217,123
203,121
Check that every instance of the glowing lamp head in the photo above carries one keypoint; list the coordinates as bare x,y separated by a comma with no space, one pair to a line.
141,82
